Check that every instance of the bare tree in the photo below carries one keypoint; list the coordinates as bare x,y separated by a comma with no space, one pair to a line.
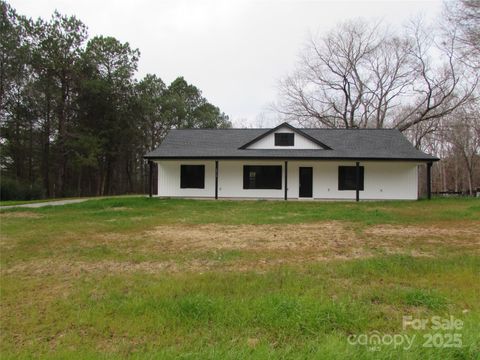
342,81
464,135
437,90
464,17
456,140
363,75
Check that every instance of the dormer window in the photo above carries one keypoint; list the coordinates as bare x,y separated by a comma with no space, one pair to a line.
284,139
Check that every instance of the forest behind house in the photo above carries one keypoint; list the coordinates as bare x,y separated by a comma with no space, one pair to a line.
76,120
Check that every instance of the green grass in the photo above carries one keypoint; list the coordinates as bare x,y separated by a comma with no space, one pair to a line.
24,202
95,279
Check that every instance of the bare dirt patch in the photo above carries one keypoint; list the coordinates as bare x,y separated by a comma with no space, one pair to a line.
427,240
73,269
69,269
461,236
77,268
198,248
332,236
313,241
437,231
20,214
193,248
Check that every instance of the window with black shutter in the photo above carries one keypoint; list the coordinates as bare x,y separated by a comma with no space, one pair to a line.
192,176
262,177
347,178
284,139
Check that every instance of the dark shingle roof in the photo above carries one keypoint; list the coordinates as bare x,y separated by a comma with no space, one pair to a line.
375,144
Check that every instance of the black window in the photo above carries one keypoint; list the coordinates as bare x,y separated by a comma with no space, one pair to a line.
284,139
262,177
192,176
347,177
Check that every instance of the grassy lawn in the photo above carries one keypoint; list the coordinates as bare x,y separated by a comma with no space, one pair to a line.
150,278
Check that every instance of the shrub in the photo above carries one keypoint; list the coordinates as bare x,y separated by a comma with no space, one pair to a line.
14,190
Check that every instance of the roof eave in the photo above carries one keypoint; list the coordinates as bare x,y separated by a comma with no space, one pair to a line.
343,158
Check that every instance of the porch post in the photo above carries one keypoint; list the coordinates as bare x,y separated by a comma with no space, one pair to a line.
216,179
357,181
286,179
429,180
150,182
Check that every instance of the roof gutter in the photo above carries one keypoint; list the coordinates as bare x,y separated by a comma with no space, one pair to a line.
287,158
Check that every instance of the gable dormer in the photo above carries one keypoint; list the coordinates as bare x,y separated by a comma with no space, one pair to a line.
285,136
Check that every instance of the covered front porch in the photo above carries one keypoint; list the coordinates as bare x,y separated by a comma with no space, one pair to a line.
290,179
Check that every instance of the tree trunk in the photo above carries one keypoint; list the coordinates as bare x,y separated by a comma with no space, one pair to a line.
46,151
470,178
444,176
30,154
456,176
61,113
79,182
17,157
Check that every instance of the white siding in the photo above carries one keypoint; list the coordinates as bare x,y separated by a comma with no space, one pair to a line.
169,179
300,142
382,180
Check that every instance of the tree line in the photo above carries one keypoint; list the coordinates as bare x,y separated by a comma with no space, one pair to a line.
74,120
421,79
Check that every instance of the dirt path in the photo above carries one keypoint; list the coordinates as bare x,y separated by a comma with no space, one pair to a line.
47,203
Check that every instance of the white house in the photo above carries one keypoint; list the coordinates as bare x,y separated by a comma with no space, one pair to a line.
288,163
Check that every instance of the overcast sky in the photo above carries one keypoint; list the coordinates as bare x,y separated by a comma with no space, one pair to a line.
235,51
